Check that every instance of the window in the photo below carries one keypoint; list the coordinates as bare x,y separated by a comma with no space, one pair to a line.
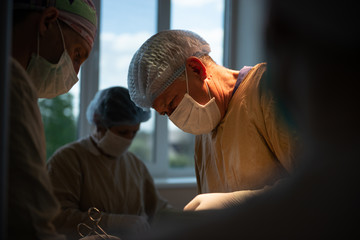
59,121
124,26
60,118
206,19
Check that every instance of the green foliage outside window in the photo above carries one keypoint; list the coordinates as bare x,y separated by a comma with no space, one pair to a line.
61,128
59,122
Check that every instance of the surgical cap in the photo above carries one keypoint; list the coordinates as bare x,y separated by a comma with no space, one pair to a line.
161,60
113,107
80,15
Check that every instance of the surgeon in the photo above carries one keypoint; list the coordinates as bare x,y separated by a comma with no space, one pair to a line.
99,171
242,144
50,40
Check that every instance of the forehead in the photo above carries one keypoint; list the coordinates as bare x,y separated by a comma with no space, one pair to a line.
75,39
177,87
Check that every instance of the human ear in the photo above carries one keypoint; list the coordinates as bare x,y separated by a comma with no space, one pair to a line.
48,16
197,67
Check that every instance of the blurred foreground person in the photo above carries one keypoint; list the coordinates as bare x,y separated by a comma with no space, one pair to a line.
313,51
99,171
50,40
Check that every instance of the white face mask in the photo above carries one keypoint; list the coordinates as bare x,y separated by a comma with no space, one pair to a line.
113,144
194,118
51,79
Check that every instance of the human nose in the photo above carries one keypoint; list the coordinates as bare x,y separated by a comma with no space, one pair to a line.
161,109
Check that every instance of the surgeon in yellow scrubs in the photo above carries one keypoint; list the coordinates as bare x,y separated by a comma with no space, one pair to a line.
242,145
99,171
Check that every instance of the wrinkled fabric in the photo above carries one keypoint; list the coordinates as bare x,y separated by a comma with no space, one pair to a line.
31,203
250,148
121,188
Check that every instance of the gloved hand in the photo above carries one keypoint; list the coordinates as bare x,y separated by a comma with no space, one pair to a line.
218,200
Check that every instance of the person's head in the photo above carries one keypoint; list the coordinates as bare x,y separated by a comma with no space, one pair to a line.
51,39
116,117
171,68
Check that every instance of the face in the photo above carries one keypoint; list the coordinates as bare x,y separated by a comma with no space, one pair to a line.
77,47
167,101
126,131
51,45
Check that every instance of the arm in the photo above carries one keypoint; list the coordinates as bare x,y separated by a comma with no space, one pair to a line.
154,203
66,173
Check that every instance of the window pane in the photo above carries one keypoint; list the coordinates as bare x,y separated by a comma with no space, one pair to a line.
59,121
125,26
142,144
204,17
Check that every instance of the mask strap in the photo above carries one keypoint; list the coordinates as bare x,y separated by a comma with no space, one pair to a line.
207,86
187,83
62,36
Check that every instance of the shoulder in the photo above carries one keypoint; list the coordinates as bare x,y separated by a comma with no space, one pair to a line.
25,125
21,84
255,74
251,85
69,154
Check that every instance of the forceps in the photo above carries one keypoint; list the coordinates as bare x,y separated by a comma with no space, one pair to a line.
95,216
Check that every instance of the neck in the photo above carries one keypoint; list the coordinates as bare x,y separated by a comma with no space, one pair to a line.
221,85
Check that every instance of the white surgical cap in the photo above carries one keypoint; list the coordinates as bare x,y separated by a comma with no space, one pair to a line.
113,107
161,60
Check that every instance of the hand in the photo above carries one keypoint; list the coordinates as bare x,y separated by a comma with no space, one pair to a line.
207,201
217,200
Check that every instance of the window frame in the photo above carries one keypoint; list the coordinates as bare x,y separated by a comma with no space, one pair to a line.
235,55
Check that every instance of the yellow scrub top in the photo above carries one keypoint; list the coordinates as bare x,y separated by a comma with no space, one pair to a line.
251,147
122,188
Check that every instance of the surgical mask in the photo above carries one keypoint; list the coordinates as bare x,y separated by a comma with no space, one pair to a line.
51,79
113,144
192,117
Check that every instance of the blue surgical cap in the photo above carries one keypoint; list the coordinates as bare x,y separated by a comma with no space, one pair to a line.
113,107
